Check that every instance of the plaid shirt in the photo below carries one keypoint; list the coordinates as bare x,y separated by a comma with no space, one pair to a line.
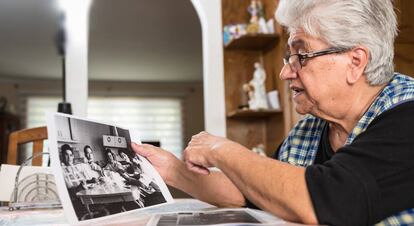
300,147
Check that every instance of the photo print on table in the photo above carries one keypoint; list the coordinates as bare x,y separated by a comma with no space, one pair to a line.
221,216
96,171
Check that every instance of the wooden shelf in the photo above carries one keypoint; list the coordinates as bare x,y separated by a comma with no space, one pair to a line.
248,127
252,42
252,113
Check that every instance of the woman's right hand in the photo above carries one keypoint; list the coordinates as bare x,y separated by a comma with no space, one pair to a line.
163,161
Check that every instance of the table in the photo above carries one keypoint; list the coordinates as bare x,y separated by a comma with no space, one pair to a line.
56,217
104,194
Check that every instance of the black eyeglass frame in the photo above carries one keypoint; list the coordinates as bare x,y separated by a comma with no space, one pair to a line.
303,56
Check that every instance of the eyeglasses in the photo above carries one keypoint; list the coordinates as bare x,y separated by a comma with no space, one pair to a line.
297,60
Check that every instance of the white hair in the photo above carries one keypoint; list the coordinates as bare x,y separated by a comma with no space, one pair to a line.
347,24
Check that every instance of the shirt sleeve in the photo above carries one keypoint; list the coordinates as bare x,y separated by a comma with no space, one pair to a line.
371,178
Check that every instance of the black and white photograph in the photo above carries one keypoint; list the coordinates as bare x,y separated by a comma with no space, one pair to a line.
210,217
99,173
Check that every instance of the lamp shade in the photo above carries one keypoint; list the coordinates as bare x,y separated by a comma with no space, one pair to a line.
65,107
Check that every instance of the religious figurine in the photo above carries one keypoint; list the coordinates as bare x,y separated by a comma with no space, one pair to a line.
256,13
253,9
256,89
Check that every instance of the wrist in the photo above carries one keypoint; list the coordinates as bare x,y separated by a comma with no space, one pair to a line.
220,152
174,177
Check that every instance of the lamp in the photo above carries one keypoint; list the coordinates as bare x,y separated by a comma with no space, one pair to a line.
63,107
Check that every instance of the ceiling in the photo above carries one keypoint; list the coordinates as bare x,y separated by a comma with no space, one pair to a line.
129,40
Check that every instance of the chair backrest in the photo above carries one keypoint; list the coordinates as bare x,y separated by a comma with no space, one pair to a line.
35,135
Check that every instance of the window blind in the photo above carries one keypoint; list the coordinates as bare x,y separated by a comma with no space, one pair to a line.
156,119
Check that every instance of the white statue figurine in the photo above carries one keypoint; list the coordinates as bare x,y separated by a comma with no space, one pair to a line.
258,99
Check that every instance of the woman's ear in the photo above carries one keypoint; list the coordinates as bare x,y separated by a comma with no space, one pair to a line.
359,60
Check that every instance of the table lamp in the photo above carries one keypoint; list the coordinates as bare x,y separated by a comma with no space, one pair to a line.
63,107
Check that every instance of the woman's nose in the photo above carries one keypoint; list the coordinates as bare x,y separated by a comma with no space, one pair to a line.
287,73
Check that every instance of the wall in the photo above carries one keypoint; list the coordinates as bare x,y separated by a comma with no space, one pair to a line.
87,133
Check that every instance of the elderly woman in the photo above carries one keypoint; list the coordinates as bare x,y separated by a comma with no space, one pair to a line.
350,161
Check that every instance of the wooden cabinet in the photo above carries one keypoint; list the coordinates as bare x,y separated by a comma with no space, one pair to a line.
404,44
247,127
8,124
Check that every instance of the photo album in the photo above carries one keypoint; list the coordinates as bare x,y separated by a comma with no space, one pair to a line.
97,173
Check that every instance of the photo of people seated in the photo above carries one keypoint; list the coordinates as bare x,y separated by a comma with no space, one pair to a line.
101,173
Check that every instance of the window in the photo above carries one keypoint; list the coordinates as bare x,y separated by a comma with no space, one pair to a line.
37,108
156,119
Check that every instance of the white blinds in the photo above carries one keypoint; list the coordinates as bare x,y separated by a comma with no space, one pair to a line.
36,110
156,119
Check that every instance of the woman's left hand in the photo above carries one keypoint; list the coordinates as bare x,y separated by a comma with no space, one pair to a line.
202,150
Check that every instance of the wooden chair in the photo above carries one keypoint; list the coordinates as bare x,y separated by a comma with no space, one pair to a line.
35,135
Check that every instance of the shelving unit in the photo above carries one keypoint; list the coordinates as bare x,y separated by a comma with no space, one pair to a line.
247,127
68,141
404,44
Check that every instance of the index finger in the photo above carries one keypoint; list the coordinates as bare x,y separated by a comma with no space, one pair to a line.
142,149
